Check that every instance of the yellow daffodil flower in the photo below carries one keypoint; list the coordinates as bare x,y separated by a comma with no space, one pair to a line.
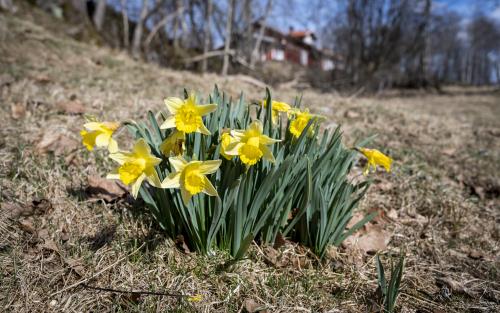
187,115
195,298
173,144
277,108
225,141
100,135
136,166
190,177
375,158
300,122
251,145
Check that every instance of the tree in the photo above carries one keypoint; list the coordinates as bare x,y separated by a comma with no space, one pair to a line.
207,34
227,41
99,14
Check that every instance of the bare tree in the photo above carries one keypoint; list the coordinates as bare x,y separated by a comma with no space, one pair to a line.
136,40
99,14
227,41
126,34
208,34
256,49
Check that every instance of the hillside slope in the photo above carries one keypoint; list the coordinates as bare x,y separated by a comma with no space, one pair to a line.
440,204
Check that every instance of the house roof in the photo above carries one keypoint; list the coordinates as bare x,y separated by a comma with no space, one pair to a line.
300,34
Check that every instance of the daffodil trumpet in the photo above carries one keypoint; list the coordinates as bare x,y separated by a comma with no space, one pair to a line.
190,177
136,166
277,108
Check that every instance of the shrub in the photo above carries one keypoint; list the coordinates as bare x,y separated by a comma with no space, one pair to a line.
226,174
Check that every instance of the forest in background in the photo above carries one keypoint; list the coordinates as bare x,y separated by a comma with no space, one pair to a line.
377,44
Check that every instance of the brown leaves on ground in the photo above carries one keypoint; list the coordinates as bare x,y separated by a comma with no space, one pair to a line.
71,107
57,142
36,207
251,306
17,110
372,237
105,189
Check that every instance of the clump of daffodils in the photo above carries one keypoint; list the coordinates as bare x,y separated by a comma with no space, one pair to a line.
222,176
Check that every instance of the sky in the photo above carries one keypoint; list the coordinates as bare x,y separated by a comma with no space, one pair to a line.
302,14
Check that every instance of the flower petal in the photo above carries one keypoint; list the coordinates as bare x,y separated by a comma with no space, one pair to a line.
186,196
169,123
205,109
136,186
204,130
93,126
112,146
256,125
152,177
209,167
178,163
102,140
209,189
267,154
265,140
120,157
232,148
113,175
142,149
173,104
172,181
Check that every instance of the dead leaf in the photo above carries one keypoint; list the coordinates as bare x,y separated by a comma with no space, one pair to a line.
17,110
280,241
14,210
42,79
56,142
71,107
181,244
6,79
50,245
253,307
75,265
351,114
27,226
108,190
41,206
375,239
356,217
392,214
475,254
449,151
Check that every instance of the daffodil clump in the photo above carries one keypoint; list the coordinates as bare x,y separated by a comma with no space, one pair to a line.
224,174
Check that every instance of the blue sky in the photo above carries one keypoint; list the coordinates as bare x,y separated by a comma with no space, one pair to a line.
302,14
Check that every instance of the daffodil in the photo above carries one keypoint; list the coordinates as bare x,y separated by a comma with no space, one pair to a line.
190,177
300,122
225,141
277,108
187,115
99,134
136,166
251,145
173,144
195,298
375,158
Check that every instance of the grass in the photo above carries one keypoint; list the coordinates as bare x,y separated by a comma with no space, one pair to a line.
445,189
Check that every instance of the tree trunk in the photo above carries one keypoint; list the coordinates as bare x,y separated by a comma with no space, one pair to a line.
256,49
227,42
208,34
125,24
99,14
136,41
159,25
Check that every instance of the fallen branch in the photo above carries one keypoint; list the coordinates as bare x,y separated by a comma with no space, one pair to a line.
207,55
83,281
131,292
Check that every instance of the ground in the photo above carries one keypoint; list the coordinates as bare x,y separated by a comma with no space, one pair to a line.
440,205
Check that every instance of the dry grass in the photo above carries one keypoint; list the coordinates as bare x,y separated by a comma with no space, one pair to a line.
444,191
